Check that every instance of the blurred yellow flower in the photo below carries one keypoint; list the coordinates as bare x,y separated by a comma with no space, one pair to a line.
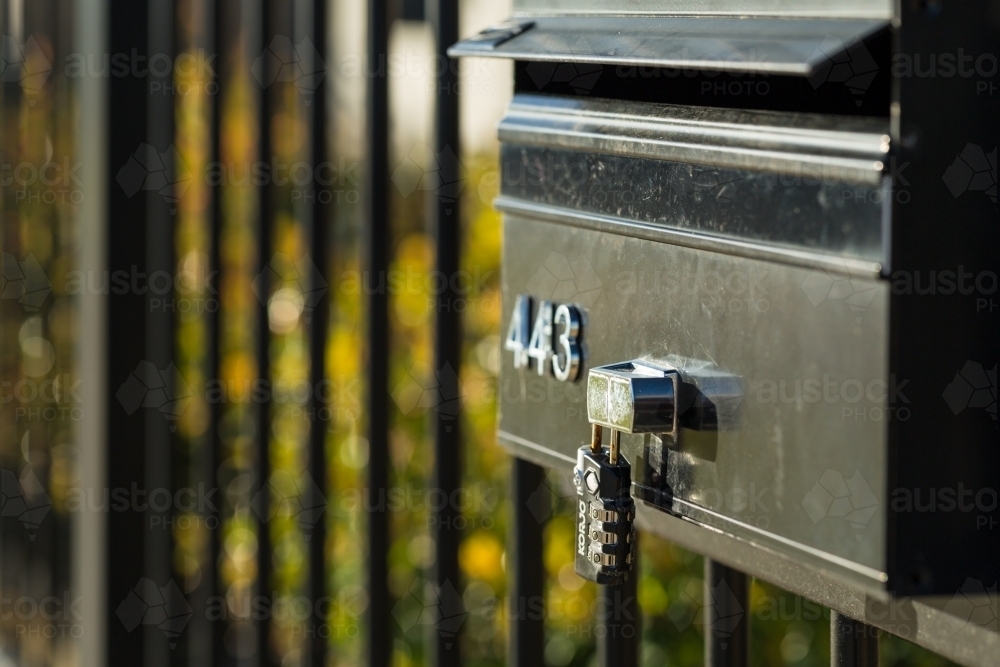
480,557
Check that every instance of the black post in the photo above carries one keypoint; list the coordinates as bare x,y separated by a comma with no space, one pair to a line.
160,260
530,502
139,335
852,643
445,644
727,622
377,243
321,219
618,622
218,655
267,15
126,325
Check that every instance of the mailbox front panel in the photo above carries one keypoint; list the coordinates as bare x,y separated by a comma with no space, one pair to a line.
811,421
741,250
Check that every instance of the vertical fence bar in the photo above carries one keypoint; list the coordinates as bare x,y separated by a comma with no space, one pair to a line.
217,654
445,643
265,231
618,622
377,244
161,210
526,603
126,327
321,219
727,625
852,643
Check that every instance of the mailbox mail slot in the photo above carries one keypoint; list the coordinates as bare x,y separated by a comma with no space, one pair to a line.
749,252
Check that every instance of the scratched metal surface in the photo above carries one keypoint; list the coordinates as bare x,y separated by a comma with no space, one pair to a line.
791,209
770,324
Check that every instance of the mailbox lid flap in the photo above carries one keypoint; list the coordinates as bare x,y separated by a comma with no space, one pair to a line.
800,47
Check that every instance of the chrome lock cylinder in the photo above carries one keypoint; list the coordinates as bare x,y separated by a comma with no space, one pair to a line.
634,397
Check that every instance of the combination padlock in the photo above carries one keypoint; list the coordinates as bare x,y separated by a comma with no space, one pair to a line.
630,397
605,530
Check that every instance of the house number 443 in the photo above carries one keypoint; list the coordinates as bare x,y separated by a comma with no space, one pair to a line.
542,345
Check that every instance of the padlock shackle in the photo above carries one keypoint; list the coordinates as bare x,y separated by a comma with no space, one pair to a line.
597,435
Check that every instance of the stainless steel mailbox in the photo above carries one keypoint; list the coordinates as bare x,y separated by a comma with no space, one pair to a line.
757,245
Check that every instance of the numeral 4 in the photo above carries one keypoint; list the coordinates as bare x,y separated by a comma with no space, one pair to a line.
517,333
540,345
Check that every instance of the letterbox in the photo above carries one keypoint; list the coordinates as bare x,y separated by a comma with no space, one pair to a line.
736,235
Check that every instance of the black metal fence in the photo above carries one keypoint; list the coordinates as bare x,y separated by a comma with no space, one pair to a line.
228,497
